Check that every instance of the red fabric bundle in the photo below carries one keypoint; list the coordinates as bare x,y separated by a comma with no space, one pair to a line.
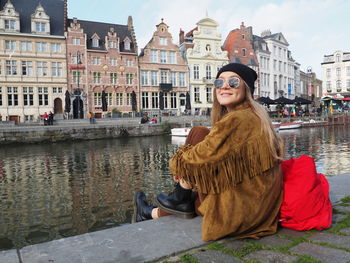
306,203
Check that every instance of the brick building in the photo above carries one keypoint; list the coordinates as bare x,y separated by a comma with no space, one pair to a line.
33,76
238,45
102,67
163,74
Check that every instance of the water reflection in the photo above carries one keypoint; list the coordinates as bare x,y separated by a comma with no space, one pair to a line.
57,190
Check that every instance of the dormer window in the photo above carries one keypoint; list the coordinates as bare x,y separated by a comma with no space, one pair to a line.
112,44
95,42
10,24
40,21
127,44
163,41
40,27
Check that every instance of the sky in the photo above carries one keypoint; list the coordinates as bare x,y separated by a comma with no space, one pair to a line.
313,28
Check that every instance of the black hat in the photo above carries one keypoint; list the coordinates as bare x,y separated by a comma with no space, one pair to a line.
246,73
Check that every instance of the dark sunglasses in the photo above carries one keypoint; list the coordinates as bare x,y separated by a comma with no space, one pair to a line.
232,82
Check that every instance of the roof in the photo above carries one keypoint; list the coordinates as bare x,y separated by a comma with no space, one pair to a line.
53,8
102,29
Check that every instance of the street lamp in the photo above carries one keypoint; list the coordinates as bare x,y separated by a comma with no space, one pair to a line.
77,91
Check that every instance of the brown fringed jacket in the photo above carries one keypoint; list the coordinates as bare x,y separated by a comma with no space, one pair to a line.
242,180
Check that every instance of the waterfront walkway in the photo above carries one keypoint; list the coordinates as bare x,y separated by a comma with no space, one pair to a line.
170,239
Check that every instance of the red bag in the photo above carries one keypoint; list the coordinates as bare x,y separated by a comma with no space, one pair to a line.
306,203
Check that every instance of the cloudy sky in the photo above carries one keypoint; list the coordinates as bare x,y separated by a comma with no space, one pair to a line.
313,28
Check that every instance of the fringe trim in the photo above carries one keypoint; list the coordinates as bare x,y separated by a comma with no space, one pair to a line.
247,161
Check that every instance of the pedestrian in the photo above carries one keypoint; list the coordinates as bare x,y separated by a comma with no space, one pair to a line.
50,120
90,117
145,118
235,169
154,119
46,118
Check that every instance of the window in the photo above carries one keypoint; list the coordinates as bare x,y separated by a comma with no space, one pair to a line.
163,41
76,41
163,77
57,90
128,63
113,61
10,45
144,78
243,52
56,69
109,99
40,27
43,96
129,79
173,78
182,79
279,52
154,56
10,24
337,58
173,100
127,45
144,98
26,46
128,99
280,66
348,70
328,72
41,47
209,94
196,72
119,99
163,56
348,83
275,50
196,94
27,68
97,77
154,78
172,57
12,96
11,67
76,76
338,72
41,68
113,78
97,99
0,97
96,61
28,96
55,47
208,72
274,64
155,100
112,44
165,98
95,42
338,85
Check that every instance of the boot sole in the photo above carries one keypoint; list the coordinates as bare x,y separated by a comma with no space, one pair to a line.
185,215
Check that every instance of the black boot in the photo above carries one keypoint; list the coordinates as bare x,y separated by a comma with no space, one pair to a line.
142,210
179,202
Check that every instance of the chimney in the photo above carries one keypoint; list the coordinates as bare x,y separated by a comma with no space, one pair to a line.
181,36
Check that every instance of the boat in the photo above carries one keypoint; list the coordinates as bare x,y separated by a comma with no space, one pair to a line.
183,132
289,125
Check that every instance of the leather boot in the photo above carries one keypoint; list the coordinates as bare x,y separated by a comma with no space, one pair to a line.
178,203
142,210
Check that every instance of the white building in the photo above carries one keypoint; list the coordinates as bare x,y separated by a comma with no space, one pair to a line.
33,75
202,49
277,68
336,73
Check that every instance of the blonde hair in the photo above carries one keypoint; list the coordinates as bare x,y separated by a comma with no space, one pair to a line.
276,143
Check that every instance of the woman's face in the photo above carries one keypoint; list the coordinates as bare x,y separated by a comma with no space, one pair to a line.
227,96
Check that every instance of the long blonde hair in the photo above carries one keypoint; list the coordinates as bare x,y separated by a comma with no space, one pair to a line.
276,143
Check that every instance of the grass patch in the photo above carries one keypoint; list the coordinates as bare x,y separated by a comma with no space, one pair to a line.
306,259
239,253
189,258
344,223
345,199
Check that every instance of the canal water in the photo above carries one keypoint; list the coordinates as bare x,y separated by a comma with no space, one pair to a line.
51,191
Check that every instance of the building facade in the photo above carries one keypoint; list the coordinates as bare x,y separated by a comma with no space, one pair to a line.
336,74
102,68
239,47
33,75
202,49
163,74
277,67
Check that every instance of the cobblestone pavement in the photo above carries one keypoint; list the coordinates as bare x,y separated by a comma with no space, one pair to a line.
330,246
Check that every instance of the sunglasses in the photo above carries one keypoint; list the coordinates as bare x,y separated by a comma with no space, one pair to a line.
232,82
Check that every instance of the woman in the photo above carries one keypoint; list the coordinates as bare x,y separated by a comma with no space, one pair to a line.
236,166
